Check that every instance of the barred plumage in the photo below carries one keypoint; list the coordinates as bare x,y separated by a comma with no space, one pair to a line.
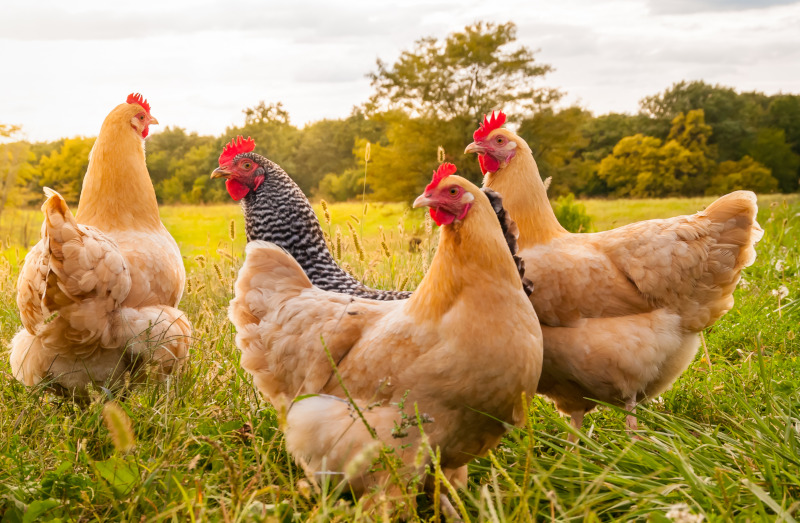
280,213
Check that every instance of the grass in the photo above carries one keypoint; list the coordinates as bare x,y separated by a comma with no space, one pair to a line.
722,444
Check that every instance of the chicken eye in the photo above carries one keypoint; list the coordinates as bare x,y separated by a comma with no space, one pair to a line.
247,165
141,118
453,191
500,141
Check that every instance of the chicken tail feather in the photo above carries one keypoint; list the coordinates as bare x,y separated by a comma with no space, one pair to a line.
268,273
736,231
736,212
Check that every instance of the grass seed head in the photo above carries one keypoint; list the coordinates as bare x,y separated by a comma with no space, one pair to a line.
357,242
119,426
440,156
325,211
232,230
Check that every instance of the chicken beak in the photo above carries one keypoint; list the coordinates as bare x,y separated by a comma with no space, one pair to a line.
423,201
153,121
475,147
220,172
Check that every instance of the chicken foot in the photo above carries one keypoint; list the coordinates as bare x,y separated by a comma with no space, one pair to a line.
576,420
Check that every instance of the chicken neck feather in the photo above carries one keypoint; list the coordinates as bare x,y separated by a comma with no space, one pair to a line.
525,198
117,191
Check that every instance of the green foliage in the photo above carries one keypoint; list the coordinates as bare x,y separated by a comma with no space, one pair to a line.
463,76
555,138
62,169
341,187
571,214
402,164
7,130
433,95
190,176
733,117
769,147
642,166
745,174
633,169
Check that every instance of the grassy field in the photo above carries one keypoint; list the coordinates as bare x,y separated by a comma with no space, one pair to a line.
722,444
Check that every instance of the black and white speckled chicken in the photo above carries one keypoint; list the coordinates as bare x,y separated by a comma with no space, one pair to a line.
277,211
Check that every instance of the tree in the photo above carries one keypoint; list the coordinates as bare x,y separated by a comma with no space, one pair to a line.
733,117
63,169
12,158
644,166
687,153
190,176
275,137
339,188
326,148
263,113
744,174
555,137
633,169
167,147
769,147
10,161
402,162
463,76
784,113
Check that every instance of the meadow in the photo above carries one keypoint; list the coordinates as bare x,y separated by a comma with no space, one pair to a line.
723,443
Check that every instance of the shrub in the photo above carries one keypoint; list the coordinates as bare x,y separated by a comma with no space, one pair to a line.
571,214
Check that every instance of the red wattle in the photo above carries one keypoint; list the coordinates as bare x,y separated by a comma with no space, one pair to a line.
236,189
258,181
442,217
145,132
488,164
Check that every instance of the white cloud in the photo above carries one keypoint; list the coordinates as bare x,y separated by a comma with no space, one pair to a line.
65,65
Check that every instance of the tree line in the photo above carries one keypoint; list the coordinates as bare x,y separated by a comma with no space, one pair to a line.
691,139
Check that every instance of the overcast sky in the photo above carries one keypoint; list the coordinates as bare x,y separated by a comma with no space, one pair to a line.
199,63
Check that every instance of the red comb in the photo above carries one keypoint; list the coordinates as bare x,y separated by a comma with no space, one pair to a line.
444,170
138,99
237,146
489,125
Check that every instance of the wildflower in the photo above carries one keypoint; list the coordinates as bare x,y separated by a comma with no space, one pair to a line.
682,514
779,266
781,292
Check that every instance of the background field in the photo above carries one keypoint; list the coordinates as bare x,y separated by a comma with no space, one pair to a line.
722,443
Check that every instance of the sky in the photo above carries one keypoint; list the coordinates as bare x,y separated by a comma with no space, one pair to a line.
65,65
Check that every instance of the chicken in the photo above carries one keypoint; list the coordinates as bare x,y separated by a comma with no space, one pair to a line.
98,294
621,310
434,347
276,210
